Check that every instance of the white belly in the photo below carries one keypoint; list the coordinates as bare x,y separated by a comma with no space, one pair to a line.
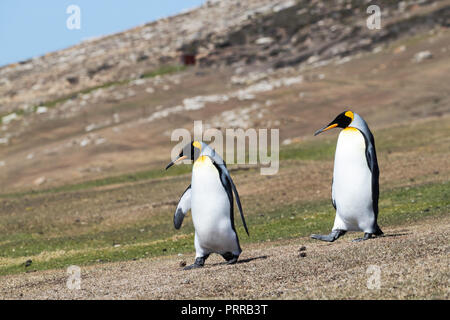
352,183
210,208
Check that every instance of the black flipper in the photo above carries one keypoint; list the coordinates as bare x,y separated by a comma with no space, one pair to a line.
229,186
372,163
184,205
238,201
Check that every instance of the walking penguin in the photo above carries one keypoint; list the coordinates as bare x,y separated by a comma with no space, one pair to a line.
355,188
210,198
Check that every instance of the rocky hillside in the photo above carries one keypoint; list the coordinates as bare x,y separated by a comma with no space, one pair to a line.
273,33
108,106
126,55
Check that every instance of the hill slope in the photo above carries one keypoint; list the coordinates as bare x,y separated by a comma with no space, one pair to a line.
83,180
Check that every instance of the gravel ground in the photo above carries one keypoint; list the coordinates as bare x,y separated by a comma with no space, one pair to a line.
413,262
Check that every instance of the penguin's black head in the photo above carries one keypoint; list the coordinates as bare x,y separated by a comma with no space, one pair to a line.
190,151
343,120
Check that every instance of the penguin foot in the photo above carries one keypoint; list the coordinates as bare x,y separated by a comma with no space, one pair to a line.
335,234
192,266
230,258
199,263
367,236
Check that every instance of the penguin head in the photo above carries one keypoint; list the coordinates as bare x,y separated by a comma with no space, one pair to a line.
343,120
190,151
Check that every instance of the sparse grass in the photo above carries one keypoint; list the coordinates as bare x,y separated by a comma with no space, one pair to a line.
397,206
39,225
310,150
164,70
120,179
30,233
401,138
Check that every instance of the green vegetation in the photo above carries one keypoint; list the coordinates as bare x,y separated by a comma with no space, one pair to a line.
120,179
82,224
164,70
310,150
401,138
397,206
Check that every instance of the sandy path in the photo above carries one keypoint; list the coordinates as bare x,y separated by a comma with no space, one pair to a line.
413,261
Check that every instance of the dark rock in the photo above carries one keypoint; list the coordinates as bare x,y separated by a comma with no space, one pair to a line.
142,57
102,67
72,80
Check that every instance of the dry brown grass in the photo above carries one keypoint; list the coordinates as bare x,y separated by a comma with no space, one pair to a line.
414,264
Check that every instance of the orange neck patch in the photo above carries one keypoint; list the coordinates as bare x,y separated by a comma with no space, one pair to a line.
202,160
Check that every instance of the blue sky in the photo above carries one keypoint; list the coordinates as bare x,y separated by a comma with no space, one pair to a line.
31,28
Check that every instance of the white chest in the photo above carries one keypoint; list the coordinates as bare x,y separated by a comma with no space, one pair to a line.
352,178
351,146
210,202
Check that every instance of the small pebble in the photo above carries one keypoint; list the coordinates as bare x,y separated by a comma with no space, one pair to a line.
182,263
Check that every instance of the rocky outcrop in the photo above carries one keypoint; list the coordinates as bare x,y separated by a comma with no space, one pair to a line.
277,33
294,33
121,56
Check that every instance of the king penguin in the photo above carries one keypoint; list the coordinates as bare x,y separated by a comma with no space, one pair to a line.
210,199
355,189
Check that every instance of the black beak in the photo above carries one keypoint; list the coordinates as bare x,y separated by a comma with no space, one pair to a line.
173,162
331,126
169,165
319,131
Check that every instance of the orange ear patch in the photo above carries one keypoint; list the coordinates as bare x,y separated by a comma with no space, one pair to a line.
197,144
349,114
